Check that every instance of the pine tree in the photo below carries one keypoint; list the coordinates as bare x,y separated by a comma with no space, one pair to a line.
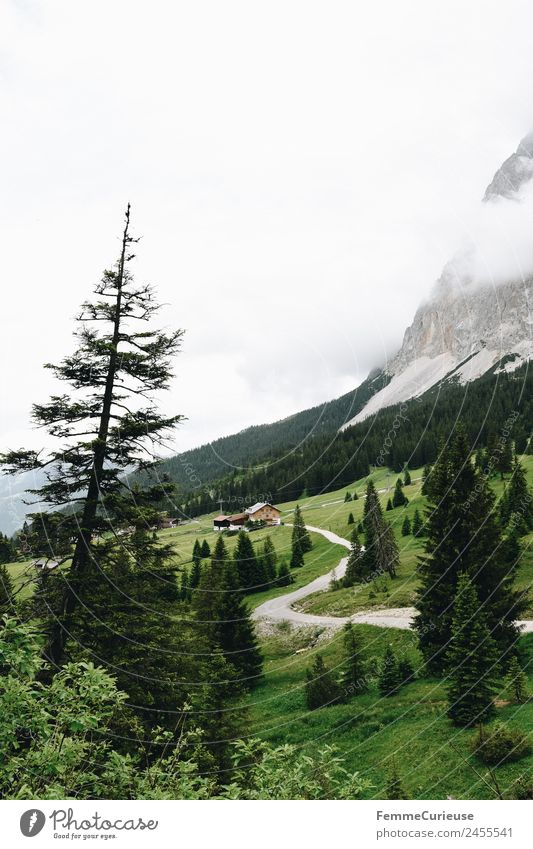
129,626
353,679
381,550
394,789
471,659
389,678
196,572
516,681
426,480
270,559
321,689
463,535
197,553
360,528
355,497
417,523
206,596
284,578
300,533
234,630
406,477
347,497
354,565
185,587
389,505
406,527
205,550
504,457
247,565
517,501
108,425
406,671
399,498
351,519
7,550
7,594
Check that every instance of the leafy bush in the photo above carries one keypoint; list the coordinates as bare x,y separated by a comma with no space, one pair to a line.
501,745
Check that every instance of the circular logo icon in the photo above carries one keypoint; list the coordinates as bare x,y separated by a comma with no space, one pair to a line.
32,822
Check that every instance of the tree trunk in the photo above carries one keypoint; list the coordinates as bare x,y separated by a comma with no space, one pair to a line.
82,557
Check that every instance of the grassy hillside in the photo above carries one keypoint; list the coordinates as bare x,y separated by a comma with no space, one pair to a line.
434,759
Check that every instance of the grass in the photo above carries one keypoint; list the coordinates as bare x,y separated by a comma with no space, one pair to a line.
433,757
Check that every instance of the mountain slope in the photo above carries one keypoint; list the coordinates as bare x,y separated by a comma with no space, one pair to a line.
465,328
199,466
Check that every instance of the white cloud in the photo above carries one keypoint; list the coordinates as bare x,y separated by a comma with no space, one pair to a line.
299,171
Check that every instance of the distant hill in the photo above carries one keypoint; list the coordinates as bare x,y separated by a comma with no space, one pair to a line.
198,467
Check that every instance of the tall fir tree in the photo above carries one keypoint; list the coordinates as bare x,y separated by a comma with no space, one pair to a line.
406,477
399,498
389,677
107,424
321,688
417,523
381,550
7,592
270,559
463,535
406,527
251,571
300,534
517,501
235,633
353,678
353,572
471,659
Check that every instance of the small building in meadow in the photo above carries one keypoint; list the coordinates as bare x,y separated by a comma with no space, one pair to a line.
221,523
263,511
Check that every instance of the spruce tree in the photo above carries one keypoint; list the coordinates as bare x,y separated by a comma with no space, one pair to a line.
462,535
197,553
297,557
205,550
389,506
284,578
300,533
406,527
107,424
426,479
7,593
247,565
417,523
517,501
355,497
206,596
353,567
398,498
128,625
406,671
234,629
471,659
351,519
353,680
516,681
394,789
347,497
381,550
321,689
389,678
196,572
270,559
406,477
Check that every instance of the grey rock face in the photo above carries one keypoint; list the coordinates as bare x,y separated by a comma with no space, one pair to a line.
514,172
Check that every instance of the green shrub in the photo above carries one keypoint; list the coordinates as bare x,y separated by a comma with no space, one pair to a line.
501,744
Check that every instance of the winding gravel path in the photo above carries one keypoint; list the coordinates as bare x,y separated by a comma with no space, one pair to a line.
280,608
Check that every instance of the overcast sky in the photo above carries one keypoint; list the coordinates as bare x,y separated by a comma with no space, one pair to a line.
299,172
